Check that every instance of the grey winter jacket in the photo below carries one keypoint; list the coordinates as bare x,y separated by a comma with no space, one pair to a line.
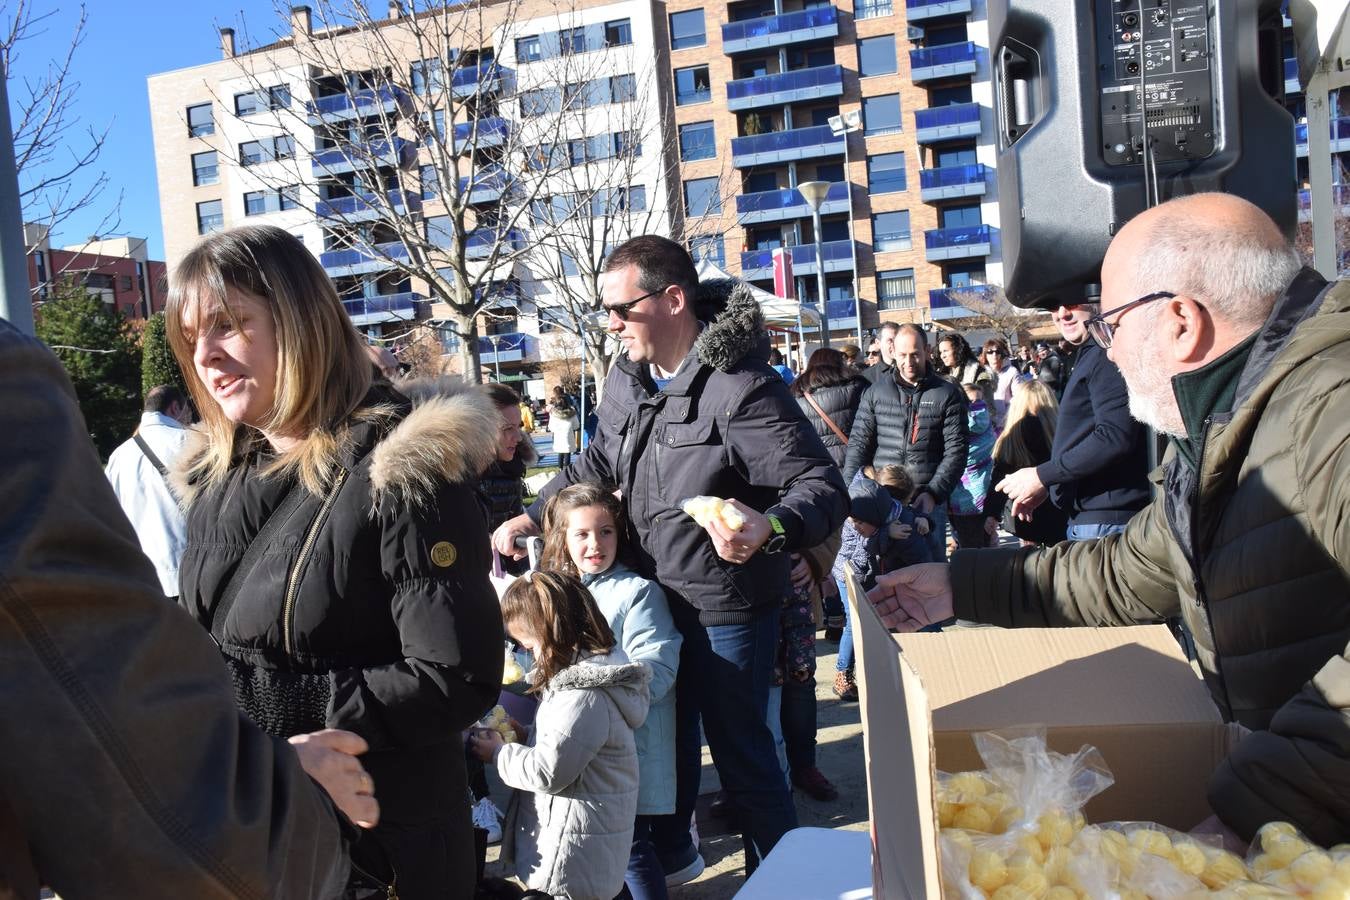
922,428
572,839
840,403
725,426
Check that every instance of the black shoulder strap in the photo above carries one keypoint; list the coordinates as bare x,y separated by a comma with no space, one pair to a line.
294,496
150,455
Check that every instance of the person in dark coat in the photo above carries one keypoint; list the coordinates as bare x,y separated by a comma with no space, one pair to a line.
885,362
836,388
369,606
915,419
1027,437
503,484
692,408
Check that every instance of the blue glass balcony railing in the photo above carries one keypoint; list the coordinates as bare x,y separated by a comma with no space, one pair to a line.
942,238
802,255
952,176
1340,130
481,75
787,23
357,102
786,142
927,8
1340,196
788,198
479,243
492,180
404,305
944,55
1291,70
491,130
380,152
828,78
945,116
337,207
839,310
381,253
505,343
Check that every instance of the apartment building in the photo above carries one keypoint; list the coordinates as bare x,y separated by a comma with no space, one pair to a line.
888,101
118,270
512,127
1339,106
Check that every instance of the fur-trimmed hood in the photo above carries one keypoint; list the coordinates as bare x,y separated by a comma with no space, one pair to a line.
625,682
734,324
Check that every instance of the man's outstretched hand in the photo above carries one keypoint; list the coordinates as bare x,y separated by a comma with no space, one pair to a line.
910,598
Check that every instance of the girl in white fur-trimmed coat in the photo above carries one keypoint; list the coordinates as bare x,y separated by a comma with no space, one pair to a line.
580,761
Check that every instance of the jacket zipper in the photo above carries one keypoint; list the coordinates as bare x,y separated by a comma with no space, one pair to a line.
1201,597
293,580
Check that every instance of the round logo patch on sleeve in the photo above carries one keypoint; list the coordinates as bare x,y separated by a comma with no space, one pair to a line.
444,554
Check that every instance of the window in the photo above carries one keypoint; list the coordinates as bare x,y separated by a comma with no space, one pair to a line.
290,196
527,49
956,157
626,143
895,289
569,265
890,231
125,282
871,9
618,33
205,169
876,56
200,121
427,76
622,88
881,115
279,96
959,93
431,183
831,172
255,203
252,102
576,96
710,247
886,173
692,85
246,104
538,101
283,147
210,217
697,141
250,153
576,151
686,29
572,40
637,198
960,216
701,197
439,231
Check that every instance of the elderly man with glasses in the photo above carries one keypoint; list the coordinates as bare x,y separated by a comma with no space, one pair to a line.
1241,359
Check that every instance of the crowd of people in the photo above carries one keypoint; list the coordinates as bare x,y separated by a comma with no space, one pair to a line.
349,545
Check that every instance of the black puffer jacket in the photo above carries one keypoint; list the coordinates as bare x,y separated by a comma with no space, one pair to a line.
922,427
725,426
840,403
386,599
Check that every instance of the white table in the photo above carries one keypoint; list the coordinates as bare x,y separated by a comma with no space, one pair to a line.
814,864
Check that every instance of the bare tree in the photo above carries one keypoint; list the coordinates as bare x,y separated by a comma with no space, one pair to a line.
56,153
994,311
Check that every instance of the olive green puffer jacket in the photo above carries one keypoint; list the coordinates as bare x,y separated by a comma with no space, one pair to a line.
1254,554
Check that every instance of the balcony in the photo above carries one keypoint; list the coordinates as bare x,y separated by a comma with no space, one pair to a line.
947,123
785,146
945,61
1291,85
479,244
369,102
785,87
359,261
778,206
758,264
491,132
483,78
489,185
510,347
957,243
942,302
777,31
362,208
406,307
922,10
373,155
1340,136
951,182
1340,198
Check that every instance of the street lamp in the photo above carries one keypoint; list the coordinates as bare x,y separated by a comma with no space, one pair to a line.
843,126
814,193
496,355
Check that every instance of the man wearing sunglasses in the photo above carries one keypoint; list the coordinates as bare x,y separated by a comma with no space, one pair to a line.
691,407
1243,360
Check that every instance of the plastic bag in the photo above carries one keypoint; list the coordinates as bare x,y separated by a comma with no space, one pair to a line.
705,509
1281,857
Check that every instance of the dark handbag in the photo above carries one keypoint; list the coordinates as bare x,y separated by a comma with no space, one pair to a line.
282,703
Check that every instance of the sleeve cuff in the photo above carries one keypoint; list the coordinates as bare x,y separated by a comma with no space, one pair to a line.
792,526
1051,473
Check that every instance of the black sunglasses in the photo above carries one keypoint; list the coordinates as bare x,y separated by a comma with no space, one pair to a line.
1102,332
622,310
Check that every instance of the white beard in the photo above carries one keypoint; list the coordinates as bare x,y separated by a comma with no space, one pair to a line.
1152,400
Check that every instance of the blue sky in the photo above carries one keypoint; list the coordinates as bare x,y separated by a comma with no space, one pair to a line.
124,44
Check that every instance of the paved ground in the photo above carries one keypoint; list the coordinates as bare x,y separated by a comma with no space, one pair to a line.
840,757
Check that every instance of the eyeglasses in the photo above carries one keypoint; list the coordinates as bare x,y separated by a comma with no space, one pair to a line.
871,353
622,310
995,353
1102,332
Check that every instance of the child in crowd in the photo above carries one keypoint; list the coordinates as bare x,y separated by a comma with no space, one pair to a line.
584,526
580,761
882,532
966,503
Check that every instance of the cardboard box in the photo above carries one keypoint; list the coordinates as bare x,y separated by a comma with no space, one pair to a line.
1126,691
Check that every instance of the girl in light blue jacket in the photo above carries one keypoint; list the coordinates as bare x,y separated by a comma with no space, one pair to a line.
583,535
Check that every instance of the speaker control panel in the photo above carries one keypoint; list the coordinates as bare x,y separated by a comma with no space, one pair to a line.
1155,61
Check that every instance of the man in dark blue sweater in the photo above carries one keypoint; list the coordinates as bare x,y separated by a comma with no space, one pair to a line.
1098,467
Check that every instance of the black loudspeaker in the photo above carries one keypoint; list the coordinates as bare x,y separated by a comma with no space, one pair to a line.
1075,161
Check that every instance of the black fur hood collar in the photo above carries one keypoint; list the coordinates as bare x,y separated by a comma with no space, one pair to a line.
734,324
